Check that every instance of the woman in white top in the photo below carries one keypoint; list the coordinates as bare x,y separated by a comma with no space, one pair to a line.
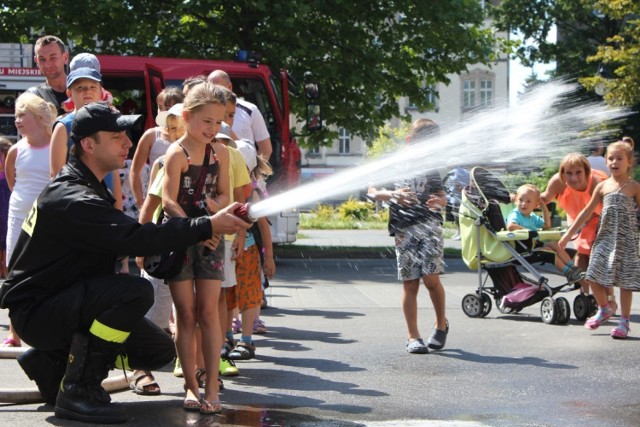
153,143
27,169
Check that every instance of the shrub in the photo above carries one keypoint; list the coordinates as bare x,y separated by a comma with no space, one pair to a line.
354,210
324,212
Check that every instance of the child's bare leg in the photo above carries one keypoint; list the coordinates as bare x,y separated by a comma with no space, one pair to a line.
436,293
600,294
626,297
561,254
582,262
410,307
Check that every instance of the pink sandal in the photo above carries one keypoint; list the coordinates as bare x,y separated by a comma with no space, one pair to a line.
621,331
10,342
601,316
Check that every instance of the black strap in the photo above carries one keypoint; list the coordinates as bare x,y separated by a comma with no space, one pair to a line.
203,173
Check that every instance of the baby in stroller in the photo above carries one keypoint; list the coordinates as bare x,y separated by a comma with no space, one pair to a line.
527,198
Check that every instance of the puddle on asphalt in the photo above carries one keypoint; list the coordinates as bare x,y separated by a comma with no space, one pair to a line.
275,418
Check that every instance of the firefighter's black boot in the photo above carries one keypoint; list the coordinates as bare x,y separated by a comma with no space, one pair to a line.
46,368
81,397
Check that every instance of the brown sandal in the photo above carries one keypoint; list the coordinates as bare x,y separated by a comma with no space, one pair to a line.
145,384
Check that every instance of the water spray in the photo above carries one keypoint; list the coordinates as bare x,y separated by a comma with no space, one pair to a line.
548,123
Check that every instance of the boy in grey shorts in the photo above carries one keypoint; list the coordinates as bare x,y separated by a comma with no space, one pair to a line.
415,220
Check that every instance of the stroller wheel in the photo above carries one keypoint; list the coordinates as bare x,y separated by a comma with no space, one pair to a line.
472,305
564,311
548,310
581,307
486,305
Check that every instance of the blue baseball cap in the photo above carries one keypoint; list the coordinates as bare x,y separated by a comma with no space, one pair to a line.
83,73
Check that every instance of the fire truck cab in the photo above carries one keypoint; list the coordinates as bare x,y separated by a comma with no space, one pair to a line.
135,83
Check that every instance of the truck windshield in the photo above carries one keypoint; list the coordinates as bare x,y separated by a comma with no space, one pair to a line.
254,91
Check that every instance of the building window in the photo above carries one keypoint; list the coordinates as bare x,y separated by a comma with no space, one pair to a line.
478,90
344,140
314,151
468,94
486,93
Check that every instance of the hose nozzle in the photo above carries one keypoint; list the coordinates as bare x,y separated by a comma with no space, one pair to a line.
243,213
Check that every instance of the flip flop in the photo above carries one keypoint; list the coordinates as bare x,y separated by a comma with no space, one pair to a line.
145,384
192,404
210,407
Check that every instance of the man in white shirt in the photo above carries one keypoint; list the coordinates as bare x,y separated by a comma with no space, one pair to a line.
249,123
596,160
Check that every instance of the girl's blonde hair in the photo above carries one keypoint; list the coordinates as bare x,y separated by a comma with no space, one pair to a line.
263,169
626,148
44,111
574,160
204,94
629,141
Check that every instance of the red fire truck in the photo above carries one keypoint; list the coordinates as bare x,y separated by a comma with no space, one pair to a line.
136,81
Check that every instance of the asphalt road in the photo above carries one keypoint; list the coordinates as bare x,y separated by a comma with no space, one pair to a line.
334,356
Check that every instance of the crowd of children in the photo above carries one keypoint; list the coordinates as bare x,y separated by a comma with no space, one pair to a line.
193,164
189,165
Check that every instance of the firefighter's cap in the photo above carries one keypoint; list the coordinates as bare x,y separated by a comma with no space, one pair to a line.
99,116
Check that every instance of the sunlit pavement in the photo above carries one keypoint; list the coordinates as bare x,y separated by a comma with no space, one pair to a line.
334,356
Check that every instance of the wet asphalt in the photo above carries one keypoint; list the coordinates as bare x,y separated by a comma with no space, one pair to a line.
334,356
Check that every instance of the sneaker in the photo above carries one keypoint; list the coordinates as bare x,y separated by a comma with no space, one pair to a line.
236,326
417,347
177,370
438,338
228,368
574,274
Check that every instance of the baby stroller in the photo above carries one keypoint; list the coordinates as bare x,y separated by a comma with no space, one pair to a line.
488,247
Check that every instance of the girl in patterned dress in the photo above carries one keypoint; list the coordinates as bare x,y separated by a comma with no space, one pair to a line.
614,256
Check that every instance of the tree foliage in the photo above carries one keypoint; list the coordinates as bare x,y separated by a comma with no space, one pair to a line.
598,44
581,28
620,54
364,54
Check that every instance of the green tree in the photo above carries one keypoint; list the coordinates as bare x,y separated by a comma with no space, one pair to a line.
387,141
364,54
620,54
598,44
581,28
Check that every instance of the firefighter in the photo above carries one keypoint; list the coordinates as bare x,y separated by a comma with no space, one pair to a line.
63,297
